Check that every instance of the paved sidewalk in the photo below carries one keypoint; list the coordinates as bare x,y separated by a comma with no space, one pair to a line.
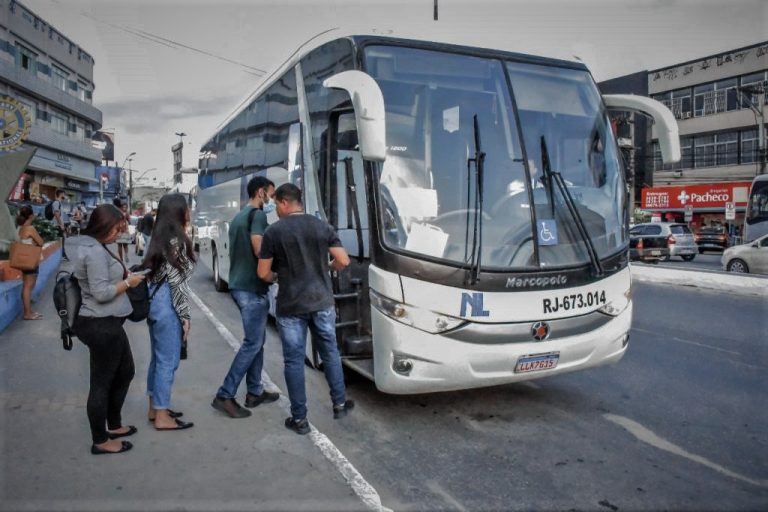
220,464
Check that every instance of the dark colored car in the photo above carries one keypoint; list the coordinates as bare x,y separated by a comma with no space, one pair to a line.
647,242
712,238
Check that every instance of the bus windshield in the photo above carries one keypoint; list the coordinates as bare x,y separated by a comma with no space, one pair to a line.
429,185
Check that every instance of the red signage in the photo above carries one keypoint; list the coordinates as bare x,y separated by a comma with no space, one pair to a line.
710,195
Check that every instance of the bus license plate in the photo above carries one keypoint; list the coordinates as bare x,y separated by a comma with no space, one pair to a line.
655,253
537,362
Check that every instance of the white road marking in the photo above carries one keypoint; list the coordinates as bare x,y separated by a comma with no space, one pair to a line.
645,435
359,485
689,342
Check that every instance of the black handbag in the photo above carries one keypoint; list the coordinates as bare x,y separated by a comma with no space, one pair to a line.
140,297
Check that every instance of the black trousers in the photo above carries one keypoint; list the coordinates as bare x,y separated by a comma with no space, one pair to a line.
112,371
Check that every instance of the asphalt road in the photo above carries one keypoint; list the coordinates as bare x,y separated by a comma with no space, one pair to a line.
707,261
680,423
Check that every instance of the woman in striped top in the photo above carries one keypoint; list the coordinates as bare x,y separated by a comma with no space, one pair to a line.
170,260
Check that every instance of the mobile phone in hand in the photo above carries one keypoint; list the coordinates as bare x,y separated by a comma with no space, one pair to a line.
142,272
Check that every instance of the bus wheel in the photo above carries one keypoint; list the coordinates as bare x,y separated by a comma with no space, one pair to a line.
218,283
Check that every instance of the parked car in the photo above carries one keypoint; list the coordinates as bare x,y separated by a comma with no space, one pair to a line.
747,258
711,238
661,241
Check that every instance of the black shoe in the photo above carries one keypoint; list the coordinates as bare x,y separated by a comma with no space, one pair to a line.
339,411
126,445
299,426
230,407
131,430
264,398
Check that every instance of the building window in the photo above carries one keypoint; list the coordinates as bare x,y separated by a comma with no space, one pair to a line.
727,148
753,80
704,151
60,78
701,94
728,95
26,59
59,123
681,104
686,152
749,146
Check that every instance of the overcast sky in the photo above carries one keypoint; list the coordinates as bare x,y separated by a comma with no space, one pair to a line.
148,90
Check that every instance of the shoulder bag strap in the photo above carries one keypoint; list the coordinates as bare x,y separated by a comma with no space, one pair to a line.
125,270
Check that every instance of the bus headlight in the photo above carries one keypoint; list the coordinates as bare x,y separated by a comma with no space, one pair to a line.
419,318
616,307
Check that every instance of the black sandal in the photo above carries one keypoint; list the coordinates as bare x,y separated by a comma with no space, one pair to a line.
126,445
131,430
173,414
180,425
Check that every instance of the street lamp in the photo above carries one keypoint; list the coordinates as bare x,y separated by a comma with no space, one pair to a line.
181,136
122,167
758,108
130,185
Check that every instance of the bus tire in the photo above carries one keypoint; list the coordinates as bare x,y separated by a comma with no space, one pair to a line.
218,282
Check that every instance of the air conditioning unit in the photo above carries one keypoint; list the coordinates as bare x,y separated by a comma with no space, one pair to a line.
686,115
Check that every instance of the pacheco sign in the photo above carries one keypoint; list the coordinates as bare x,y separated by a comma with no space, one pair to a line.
710,195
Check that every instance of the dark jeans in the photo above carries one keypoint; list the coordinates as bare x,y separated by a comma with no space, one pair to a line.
111,372
249,361
293,334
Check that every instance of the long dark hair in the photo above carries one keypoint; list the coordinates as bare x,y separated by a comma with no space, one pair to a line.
169,225
102,220
25,212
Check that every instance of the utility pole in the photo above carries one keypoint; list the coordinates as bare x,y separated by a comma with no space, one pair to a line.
435,10
759,110
130,186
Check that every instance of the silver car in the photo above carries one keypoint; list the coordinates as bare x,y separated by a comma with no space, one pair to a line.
751,257
679,238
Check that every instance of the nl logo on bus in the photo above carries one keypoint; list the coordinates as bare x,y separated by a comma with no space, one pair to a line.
475,303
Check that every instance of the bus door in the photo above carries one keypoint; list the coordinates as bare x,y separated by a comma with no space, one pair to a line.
343,189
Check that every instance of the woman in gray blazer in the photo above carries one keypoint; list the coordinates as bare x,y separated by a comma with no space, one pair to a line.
103,282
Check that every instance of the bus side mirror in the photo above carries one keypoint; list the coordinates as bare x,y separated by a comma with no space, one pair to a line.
368,103
666,124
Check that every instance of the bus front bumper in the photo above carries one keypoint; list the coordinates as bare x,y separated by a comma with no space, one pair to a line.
408,360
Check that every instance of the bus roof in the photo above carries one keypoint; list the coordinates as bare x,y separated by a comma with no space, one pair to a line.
361,40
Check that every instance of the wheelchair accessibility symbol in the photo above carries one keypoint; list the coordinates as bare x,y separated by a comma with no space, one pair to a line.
547,232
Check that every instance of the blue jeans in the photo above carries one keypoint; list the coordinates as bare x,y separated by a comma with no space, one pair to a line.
165,334
249,360
293,334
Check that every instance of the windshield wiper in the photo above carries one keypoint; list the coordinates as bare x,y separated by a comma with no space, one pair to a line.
551,176
477,232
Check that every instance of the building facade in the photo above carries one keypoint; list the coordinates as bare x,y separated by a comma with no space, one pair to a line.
51,78
720,104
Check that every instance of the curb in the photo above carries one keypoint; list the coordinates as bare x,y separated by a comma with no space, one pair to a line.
720,281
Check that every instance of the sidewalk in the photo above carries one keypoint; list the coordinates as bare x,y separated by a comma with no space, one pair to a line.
220,464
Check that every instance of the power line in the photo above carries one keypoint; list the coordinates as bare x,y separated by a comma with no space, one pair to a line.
170,43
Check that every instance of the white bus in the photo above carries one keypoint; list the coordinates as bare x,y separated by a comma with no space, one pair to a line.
756,217
480,194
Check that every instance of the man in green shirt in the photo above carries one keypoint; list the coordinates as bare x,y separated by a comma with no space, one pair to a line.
250,294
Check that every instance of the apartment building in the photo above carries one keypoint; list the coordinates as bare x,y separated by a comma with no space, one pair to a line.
51,77
720,103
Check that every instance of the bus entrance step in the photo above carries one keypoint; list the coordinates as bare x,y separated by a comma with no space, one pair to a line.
348,323
361,366
358,346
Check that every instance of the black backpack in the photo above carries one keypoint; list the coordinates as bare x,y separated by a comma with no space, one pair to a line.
67,299
49,211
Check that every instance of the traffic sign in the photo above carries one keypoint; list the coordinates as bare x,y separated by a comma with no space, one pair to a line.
730,211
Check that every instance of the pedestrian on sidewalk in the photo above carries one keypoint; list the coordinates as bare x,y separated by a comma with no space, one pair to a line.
99,325
250,294
170,260
296,249
28,235
125,236
58,219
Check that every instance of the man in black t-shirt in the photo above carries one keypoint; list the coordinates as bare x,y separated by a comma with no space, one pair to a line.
296,248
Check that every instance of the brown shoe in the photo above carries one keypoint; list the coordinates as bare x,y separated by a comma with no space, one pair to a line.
230,407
